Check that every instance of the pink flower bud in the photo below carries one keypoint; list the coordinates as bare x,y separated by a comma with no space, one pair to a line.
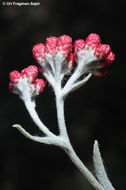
39,52
92,56
57,51
14,76
50,45
102,50
110,58
25,83
31,73
39,85
64,44
93,39
79,45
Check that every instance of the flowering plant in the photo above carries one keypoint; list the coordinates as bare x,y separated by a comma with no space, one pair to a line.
56,60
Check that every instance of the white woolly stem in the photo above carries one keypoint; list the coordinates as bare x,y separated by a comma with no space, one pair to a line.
70,82
58,141
49,78
60,116
80,83
71,153
31,109
45,140
87,174
100,170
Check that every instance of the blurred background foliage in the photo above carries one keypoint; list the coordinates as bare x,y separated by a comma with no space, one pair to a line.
95,111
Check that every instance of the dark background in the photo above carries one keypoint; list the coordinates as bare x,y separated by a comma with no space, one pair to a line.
95,111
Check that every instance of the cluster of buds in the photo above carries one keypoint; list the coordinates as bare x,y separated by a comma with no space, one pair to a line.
92,56
55,59
26,84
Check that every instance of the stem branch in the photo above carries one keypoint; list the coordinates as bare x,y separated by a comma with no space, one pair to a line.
31,109
87,174
71,153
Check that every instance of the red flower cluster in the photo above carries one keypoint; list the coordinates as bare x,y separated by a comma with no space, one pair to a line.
102,52
61,46
26,81
56,59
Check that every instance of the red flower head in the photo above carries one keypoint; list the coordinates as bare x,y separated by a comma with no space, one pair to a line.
26,82
55,52
93,56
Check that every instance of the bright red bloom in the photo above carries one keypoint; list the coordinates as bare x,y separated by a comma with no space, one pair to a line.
64,44
96,56
79,44
26,81
93,39
39,52
14,76
59,49
38,86
102,50
31,72
50,45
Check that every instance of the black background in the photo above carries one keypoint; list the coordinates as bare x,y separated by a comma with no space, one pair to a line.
95,111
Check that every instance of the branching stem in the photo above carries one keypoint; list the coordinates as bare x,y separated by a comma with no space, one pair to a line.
31,109
71,153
